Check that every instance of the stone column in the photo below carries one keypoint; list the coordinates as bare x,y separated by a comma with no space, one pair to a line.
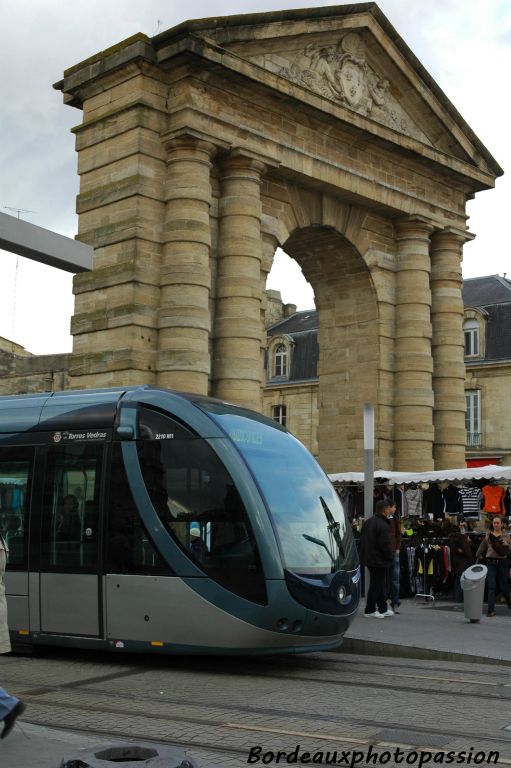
185,279
448,349
237,336
413,401
270,245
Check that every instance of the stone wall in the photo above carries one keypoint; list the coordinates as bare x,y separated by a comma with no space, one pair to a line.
24,373
493,380
301,401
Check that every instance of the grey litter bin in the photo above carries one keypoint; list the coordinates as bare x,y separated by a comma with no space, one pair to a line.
472,583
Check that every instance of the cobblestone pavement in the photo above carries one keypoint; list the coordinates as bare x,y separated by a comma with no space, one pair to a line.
218,709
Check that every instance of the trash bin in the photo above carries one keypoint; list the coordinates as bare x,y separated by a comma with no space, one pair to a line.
472,583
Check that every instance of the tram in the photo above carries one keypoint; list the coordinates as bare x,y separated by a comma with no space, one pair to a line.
143,519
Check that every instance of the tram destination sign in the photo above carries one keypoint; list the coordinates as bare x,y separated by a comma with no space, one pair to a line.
74,436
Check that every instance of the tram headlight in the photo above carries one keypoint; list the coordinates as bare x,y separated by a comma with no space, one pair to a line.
283,624
344,595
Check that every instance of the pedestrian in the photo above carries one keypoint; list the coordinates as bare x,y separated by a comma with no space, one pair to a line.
496,547
376,555
10,706
461,558
394,572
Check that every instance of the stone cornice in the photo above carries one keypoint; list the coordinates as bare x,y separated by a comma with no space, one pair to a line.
504,363
366,186
139,47
253,26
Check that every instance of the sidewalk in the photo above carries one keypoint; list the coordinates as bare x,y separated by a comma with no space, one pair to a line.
434,630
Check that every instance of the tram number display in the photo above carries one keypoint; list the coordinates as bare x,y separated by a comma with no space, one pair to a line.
164,436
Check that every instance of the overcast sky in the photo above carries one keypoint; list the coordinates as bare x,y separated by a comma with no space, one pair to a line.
464,44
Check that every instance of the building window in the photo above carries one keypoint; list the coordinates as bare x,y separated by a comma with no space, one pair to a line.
279,414
280,360
471,332
473,418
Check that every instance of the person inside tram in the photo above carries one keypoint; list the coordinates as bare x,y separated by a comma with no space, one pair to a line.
197,546
69,523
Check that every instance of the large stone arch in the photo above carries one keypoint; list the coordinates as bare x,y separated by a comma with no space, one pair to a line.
205,148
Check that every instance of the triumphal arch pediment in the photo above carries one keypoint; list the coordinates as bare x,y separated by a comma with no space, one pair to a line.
204,149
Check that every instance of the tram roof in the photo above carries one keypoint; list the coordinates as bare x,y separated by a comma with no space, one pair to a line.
91,408
94,407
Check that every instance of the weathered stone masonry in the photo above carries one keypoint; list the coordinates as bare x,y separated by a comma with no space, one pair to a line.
205,148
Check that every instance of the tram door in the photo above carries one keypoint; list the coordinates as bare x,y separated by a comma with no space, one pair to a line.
70,540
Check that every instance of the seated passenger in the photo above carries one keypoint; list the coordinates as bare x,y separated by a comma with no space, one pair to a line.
197,547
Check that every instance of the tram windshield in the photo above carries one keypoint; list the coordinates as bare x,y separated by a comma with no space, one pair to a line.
308,517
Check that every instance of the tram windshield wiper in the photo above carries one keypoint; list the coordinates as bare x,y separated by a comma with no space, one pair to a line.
334,530
320,543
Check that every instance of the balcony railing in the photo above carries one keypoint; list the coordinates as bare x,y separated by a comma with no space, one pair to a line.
474,440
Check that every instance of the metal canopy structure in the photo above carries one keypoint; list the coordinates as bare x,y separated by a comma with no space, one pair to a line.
38,244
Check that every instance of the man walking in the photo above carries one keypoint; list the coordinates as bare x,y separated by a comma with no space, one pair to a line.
376,555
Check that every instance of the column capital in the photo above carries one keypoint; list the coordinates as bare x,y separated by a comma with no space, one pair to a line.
413,226
238,158
189,138
441,237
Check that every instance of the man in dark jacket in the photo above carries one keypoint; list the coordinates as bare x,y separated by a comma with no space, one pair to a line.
376,555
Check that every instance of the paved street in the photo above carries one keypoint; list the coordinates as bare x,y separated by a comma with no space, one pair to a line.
218,709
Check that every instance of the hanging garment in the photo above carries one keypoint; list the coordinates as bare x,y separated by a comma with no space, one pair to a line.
452,498
414,501
433,502
494,499
471,502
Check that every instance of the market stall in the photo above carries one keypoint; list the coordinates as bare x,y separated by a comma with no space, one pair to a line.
432,506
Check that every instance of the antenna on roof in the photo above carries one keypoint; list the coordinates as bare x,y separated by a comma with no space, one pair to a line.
157,27
18,210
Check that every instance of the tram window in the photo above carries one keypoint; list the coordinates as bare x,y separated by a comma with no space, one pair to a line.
15,479
129,548
199,504
70,524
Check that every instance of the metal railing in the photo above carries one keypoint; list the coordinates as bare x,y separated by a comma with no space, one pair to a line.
474,440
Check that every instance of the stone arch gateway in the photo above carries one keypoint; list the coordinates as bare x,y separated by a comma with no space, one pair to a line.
205,148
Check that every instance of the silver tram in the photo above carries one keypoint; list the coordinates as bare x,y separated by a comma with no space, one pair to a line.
142,519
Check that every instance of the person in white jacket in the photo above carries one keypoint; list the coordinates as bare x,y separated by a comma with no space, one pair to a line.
10,706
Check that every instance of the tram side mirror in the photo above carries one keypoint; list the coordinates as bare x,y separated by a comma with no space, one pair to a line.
125,432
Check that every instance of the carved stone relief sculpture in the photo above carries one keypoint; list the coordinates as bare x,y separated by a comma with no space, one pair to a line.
341,73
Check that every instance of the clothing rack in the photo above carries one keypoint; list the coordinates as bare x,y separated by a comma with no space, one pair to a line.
424,547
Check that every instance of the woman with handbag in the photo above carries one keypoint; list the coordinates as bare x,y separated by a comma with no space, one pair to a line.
496,547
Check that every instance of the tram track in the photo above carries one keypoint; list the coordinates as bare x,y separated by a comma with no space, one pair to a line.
370,684
408,681
308,739
177,702
186,702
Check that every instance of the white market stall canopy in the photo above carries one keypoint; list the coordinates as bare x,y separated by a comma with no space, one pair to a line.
490,472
